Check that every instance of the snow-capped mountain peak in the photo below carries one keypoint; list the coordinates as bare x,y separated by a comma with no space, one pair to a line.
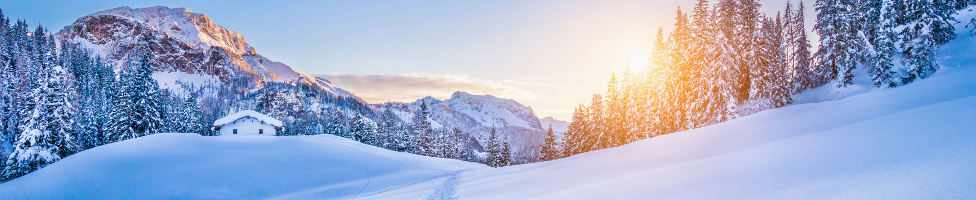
492,111
182,24
186,45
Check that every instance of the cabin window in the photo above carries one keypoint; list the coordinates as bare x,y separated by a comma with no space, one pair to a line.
235,131
260,131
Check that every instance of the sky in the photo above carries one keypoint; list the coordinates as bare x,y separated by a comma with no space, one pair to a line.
551,55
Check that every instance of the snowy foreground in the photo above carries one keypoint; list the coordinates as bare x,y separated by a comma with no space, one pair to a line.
182,166
912,142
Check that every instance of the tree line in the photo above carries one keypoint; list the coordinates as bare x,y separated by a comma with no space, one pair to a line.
57,100
727,59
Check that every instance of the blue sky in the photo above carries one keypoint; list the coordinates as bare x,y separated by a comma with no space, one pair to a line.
548,54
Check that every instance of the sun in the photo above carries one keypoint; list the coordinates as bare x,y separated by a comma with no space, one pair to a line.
638,61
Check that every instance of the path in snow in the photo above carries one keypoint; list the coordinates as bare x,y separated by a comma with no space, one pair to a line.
447,190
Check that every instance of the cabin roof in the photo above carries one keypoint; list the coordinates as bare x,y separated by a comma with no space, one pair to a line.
247,113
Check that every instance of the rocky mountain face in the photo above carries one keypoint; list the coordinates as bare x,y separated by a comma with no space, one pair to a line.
477,115
186,46
558,126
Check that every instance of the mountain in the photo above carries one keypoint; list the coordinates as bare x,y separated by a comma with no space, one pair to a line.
194,55
478,114
188,47
558,126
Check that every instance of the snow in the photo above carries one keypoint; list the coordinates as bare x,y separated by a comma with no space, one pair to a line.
558,126
180,23
189,166
911,142
176,82
491,111
247,113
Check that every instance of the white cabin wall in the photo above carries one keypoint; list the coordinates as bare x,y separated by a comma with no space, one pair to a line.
247,126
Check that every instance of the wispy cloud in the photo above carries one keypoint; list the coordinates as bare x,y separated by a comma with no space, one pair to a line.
410,87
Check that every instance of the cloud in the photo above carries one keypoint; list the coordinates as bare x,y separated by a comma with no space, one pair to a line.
410,87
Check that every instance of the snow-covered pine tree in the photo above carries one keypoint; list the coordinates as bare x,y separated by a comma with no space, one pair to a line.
746,38
120,121
837,55
85,73
597,124
804,75
138,105
789,35
493,148
613,130
194,116
457,149
685,63
770,80
880,60
148,108
505,154
713,92
422,133
549,150
575,139
47,135
928,25
364,130
8,116
395,137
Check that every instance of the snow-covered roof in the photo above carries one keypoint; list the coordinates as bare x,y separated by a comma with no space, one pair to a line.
247,113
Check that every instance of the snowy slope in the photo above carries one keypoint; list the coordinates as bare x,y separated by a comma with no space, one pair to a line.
182,166
912,142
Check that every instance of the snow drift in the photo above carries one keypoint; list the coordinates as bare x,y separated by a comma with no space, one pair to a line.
189,166
913,142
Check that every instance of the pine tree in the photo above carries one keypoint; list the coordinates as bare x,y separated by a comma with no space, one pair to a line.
575,140
364,130
549,150
770,79
837,55
883,42
47,135
613,130
422,131
505,155
494,150
139,107
929,26
804,76
597,125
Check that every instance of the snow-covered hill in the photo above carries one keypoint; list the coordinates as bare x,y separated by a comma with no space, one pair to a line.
189,166
912,142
